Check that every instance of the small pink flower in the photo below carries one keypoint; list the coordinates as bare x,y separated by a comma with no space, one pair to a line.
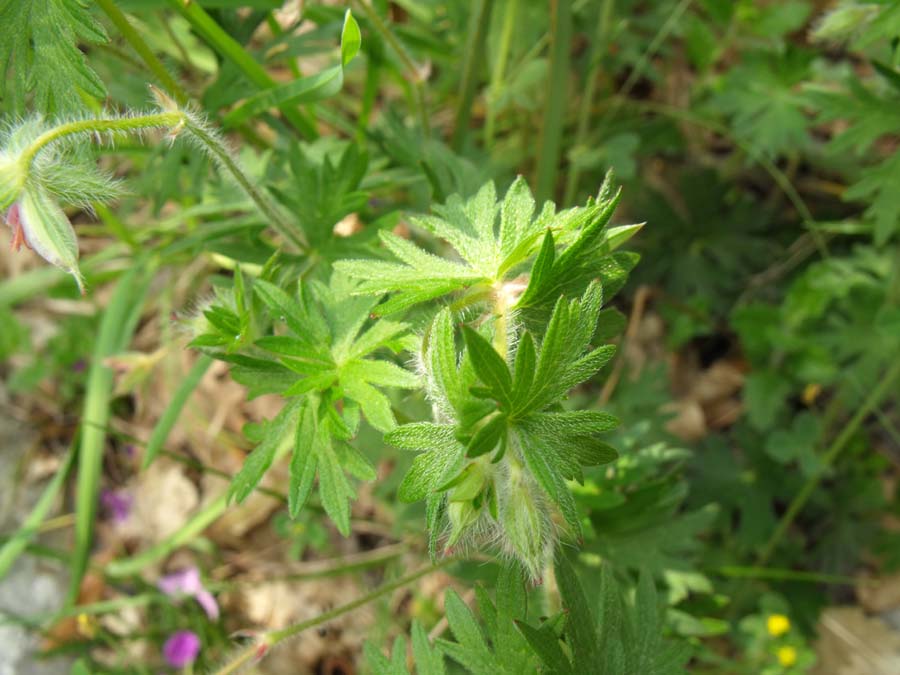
181,648
187,582
117,504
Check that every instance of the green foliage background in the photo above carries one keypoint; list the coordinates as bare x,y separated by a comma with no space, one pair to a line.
756,140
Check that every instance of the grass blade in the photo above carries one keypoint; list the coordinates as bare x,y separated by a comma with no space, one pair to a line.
232,50
553,121
198,522
18,542
479,21
116,328
164,426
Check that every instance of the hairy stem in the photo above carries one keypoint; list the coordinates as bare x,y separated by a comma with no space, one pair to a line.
264,203
172,119
166,119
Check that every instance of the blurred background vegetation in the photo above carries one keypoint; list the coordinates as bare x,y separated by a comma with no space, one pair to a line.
759,362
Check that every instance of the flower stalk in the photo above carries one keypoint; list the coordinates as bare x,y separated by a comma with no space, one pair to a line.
264,643
35,178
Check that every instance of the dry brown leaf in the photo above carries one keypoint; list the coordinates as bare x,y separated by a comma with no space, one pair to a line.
852,643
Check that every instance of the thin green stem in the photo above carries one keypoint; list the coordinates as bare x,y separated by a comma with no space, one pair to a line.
233,51
737,572
499,71
138,45
553,119
473,58
272,638
598,45
871,403
415,75
638,71
319,569
156,121
173,119
12,548
261,198
198,522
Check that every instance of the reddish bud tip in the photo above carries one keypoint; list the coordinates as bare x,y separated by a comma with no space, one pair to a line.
262,650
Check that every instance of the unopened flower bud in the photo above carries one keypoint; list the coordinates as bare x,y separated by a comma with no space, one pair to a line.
470,483
39,223
525,525
462,515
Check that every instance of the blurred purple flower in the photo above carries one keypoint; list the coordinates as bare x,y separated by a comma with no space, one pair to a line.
79,366
187,582
117,504
181,648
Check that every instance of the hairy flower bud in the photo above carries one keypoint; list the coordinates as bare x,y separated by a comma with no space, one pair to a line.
462,515
525,524
466,499
39,223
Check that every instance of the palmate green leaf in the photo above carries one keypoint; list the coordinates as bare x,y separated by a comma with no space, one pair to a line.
428,659
258,461
561,363
587,255
39,42
319,355
322,189
498,646
511,413
762,97
329,345
622,638
470,649
441,458
494,240
320,449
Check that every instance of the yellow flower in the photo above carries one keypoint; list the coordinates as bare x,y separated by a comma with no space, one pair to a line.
87,625
777,624
811,393
787,656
